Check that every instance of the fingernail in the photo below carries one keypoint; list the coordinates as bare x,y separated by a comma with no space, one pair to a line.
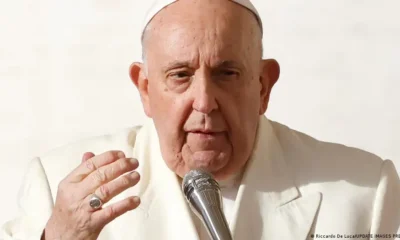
133,160
135,175
121,154
136,200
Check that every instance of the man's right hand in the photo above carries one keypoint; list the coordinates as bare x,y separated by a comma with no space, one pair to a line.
72,216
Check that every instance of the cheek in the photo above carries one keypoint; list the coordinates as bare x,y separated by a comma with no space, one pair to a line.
250,98
169,111
161,102
241,111
241,103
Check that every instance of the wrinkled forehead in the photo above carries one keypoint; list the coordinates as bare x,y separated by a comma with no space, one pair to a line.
197,45
158,5
202,37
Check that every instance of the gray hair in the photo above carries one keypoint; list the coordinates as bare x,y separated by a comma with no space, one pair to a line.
144,37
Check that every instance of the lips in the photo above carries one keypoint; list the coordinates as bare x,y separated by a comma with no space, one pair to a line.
206,135
206,131
201,141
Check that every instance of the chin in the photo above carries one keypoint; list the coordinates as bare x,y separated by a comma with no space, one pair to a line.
211,161
213,166
220,170
219,173
217,162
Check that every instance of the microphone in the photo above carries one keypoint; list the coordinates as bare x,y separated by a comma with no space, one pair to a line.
204,197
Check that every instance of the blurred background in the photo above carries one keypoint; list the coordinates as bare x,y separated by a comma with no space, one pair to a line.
64,74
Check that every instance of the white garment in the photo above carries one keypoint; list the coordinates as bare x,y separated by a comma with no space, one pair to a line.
293,186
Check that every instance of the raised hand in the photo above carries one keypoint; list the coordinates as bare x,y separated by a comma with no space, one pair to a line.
77,212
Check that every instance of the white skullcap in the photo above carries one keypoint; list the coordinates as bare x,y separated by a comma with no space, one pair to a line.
158,5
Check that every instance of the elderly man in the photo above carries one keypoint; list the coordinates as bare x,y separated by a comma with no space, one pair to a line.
205,87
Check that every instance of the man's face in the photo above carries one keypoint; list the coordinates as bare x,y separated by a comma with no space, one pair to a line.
203,86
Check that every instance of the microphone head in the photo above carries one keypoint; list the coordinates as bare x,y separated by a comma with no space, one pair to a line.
198,180
203,194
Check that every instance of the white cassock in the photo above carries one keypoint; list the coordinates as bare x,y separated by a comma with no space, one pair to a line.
292,187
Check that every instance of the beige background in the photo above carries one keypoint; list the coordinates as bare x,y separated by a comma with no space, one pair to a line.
64,74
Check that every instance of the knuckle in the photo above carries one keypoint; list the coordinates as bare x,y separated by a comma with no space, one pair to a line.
125,180
105,192
111,171
90,165
99,176
110,156
110,212
124,163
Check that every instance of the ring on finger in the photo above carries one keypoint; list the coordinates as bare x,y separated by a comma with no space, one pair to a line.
95,202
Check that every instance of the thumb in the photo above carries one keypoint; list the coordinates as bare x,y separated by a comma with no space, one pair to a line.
87,155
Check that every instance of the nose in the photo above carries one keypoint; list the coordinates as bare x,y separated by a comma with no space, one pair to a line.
204,93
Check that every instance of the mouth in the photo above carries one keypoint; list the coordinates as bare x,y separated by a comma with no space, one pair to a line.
205,134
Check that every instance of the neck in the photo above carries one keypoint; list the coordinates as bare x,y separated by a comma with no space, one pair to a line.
231,181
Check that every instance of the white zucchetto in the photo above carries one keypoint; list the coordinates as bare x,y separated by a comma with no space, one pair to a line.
158,5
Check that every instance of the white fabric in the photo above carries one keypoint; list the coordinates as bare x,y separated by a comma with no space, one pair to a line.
229,193
293,186
158,5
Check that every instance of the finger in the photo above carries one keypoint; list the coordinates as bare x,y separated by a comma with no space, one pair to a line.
104,216
90,165
107,191
87,155
107,173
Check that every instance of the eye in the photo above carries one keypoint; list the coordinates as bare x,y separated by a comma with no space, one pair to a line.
180,75
229,72
179,80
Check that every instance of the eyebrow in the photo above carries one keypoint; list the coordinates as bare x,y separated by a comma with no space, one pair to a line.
220,64
176,64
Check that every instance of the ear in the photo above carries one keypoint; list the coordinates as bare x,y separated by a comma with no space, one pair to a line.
270,71
138,76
